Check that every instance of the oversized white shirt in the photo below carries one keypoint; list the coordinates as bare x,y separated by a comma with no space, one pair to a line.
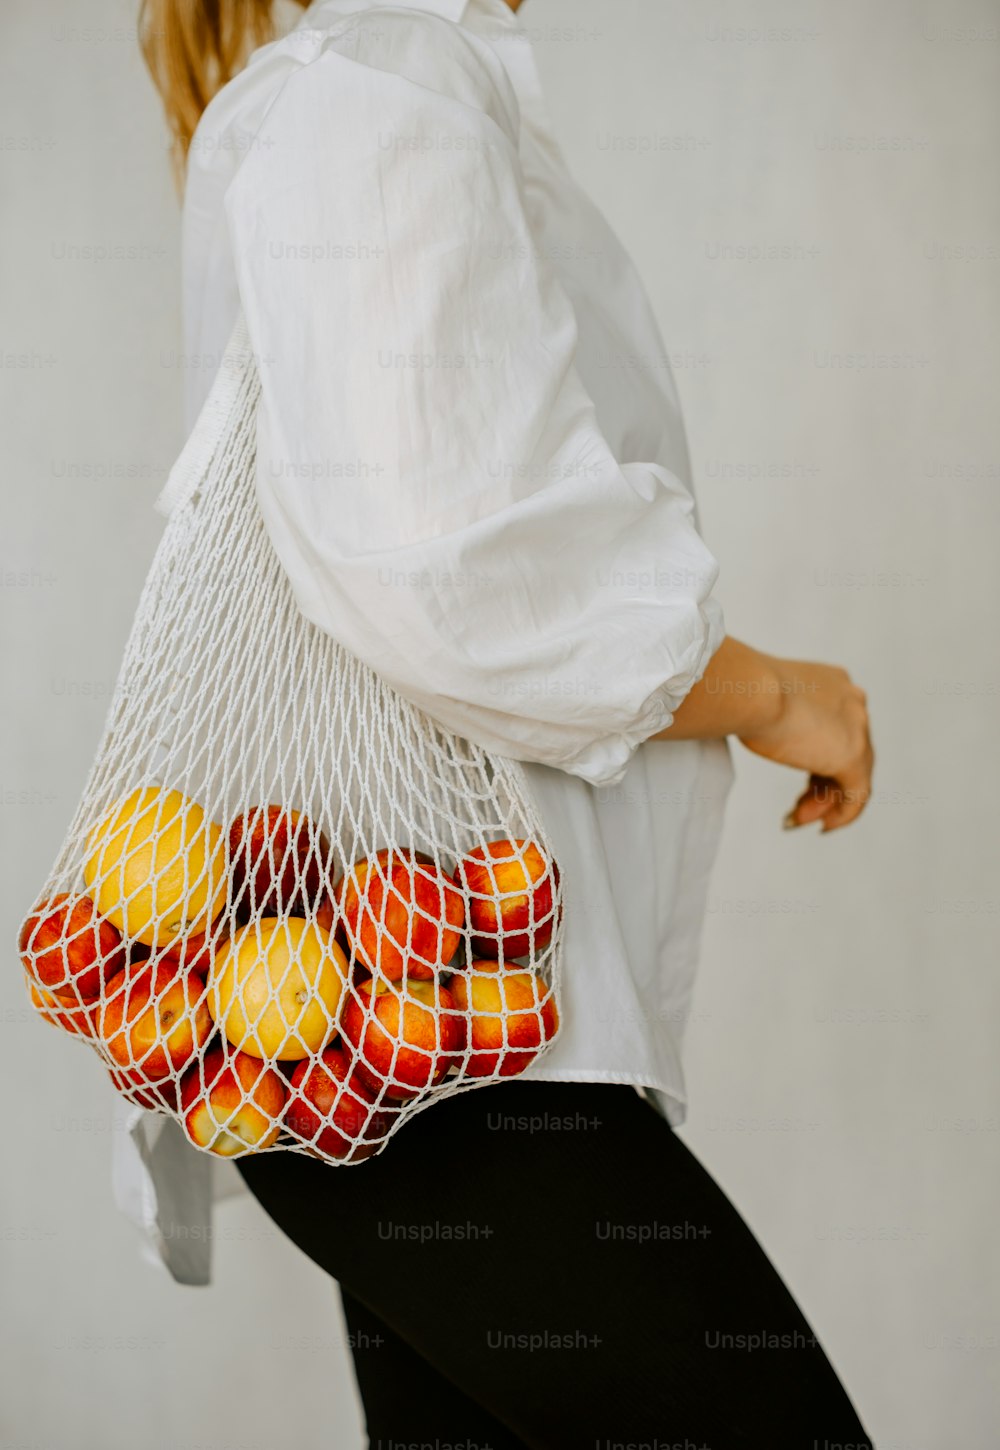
472,466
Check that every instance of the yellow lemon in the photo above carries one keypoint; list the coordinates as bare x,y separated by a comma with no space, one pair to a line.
156,866
275,988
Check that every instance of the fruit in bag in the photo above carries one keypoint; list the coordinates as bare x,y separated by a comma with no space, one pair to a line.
69,949
332,1110
59,1011
407,1034
155,1097
156,866
276,861
151,1022
232,1103
196,953
511,1016
511,898
402,915
276,987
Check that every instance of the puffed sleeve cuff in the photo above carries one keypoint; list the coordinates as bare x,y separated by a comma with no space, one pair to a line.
605,762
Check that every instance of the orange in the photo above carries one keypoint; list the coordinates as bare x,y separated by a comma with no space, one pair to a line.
275,988
156,866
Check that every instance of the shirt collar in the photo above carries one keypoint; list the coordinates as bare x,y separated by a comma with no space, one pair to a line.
450,9
495,21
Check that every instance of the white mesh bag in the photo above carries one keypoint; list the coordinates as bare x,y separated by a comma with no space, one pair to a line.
291,910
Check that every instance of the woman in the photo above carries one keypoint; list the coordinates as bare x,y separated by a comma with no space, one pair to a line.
472,466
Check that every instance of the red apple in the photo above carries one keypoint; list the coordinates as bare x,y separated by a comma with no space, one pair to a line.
331,1108
402,914
510,884
407,1033
152,1022
329,918
70,949
511,1015
62,1012
232,1103
155,1097
277,861
195,953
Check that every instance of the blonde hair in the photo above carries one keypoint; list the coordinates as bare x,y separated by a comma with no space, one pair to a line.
193,47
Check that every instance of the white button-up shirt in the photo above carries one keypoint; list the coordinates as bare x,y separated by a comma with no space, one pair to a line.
472,465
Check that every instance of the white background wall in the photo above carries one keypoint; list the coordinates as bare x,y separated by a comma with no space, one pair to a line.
843,1069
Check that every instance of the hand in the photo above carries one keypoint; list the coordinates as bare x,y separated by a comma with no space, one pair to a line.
822,727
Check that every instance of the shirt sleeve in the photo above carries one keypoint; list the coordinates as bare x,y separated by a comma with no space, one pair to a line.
430,469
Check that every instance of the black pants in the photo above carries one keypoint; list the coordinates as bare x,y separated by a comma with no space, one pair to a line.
546,1265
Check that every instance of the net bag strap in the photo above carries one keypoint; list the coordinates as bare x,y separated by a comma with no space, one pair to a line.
235,388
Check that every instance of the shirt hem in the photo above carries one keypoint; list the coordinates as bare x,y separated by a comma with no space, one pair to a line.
640,1081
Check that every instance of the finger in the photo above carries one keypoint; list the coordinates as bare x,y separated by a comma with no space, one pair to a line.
819,797
855,792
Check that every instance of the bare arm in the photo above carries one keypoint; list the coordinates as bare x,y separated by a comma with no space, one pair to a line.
811,717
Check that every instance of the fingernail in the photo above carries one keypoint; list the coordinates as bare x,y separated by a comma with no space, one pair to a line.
789,823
